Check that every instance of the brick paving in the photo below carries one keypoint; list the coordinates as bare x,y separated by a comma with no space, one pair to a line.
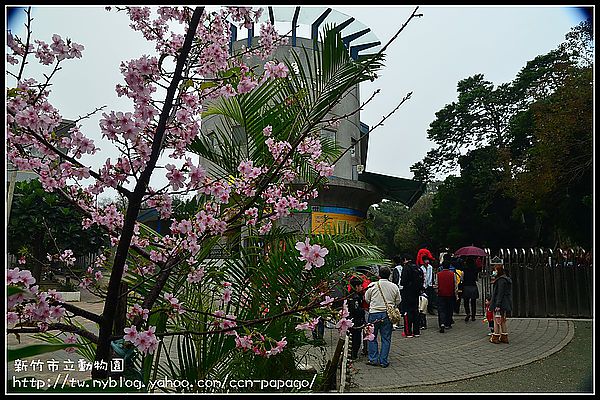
460,353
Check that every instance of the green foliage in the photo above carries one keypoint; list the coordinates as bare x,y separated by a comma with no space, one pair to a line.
385,220
268,282
41,221
556,171
272,292
83,347
526,152
35,350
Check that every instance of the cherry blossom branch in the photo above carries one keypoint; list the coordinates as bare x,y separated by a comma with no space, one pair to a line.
325,121
103,350
47,83
79,311
125,192
380,123
57,327
79,118
28,26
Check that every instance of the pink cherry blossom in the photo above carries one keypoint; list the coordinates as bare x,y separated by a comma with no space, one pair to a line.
244,342
328,300
175,177
71,339
56,312
313,255
279,346
344,311
246,85
343,325
12,318
273,70
131,334
196,275
369,331
308,326
226,296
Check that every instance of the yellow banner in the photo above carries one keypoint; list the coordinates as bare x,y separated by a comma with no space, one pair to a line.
332,222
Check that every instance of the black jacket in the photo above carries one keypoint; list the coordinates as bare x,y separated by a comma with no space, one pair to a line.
412,283
357,314
502,294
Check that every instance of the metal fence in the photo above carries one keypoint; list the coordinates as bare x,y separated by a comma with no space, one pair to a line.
547,282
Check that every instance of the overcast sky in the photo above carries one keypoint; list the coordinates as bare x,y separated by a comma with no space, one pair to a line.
434,52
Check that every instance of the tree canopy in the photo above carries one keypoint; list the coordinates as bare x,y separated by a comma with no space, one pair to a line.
523,150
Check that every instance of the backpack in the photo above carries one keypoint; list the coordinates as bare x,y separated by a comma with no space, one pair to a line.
414,278
396,276
419,278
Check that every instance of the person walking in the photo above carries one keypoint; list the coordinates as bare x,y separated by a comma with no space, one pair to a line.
399,263
427,268
357,314
378,295
412,281
446,294
362,275
423,252
501,304
470,292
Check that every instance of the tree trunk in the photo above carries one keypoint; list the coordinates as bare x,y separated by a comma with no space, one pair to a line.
103,351
330,371
38,254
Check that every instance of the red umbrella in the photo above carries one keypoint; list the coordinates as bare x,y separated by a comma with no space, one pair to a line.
470,251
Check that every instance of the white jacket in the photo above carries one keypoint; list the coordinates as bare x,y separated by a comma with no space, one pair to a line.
374,299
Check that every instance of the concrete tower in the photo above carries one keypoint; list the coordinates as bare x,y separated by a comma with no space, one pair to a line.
351,190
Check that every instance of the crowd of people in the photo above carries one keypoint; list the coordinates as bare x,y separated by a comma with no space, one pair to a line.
418,289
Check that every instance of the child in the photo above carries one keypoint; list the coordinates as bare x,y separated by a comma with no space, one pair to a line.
357,314
423,302
489,316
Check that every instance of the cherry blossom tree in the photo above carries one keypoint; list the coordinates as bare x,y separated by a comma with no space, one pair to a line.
256,302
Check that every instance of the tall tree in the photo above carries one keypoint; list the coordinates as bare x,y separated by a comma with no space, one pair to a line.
556,172
482,114
386,217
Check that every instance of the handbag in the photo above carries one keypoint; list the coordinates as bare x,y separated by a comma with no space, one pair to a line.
392,311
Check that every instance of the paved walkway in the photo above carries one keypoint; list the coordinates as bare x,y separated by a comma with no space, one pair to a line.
460,353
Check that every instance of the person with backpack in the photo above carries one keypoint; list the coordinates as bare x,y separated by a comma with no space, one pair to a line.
412,281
